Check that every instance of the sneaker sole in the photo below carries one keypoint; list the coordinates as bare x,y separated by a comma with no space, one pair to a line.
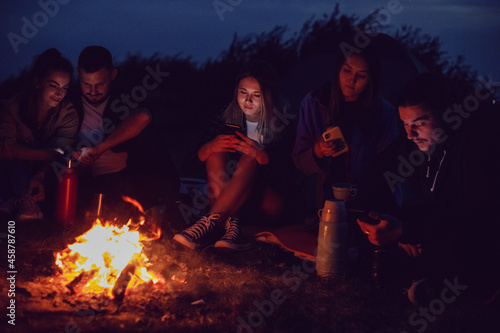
31,217
228,245
184,241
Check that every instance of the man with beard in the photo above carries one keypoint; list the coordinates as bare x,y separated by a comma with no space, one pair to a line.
445,226
117,141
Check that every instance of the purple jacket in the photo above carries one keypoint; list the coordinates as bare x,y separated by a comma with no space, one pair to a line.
364,146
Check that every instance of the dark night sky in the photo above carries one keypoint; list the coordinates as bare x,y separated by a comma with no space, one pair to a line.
195,28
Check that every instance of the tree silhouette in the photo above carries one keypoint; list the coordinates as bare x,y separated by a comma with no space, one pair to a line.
195,92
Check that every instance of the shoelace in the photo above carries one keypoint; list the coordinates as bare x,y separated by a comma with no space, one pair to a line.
202,226
233,230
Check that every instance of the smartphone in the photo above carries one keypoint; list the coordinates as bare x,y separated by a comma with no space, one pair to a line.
230,129
335,135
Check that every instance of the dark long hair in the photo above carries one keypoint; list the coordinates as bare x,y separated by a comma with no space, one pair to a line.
49,61
269,84
368,99
432,92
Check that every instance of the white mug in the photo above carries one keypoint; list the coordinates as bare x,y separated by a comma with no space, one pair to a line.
344,191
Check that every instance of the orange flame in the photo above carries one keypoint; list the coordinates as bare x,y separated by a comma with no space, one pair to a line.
133,202
102,253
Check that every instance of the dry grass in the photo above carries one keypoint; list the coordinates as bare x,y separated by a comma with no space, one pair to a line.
262,290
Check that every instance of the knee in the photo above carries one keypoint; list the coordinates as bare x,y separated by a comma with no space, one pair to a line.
215,160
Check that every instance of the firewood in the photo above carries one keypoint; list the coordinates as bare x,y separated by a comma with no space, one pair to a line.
122,282
81,280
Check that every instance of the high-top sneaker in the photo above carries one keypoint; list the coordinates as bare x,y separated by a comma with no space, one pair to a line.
199,234
27,209
234,238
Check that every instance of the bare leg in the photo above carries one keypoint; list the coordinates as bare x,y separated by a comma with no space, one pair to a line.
237,189
228,194
217,174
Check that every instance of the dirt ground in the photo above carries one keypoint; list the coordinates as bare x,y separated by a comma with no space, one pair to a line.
266,289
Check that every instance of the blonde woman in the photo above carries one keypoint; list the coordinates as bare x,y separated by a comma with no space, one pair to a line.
248,163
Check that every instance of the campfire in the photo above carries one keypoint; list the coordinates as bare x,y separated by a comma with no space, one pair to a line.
108,282
109,259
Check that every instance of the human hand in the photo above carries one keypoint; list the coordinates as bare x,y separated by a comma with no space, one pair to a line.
324,148
76,154
413,250
387,231
36,188
88,155
251,148
223,143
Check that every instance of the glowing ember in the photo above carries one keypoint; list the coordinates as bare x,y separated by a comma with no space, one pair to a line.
98,257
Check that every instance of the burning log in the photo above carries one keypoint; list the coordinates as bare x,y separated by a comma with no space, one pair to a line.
81,280
108,258
122,282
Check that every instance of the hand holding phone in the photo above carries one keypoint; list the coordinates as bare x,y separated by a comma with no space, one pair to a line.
334,135
230,129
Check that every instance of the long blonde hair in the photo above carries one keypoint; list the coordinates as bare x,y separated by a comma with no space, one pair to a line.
271,100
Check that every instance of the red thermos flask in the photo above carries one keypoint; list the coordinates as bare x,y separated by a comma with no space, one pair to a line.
66,196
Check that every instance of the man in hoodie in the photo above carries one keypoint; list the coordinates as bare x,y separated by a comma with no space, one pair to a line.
449,181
